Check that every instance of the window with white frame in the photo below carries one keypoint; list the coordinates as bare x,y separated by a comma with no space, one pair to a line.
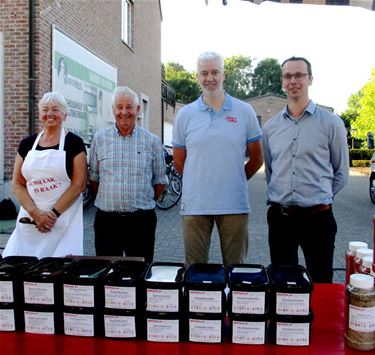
127,19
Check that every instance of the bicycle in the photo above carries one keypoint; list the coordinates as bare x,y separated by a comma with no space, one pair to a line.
372,179
172,193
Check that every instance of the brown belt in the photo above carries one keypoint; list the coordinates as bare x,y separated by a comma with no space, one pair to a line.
294,211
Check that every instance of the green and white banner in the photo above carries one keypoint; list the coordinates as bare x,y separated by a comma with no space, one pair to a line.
87,83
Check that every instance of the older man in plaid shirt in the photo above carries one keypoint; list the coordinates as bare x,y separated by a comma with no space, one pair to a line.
127,173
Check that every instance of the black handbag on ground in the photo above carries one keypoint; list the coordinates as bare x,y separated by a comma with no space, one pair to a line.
7,209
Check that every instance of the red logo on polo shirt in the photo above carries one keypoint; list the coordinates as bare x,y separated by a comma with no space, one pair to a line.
231,119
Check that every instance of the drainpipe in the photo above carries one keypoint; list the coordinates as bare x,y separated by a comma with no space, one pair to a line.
31,66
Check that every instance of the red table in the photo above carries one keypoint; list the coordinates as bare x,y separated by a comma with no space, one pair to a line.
327,337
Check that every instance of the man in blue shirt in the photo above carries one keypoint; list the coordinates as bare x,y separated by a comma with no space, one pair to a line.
211,138
307,162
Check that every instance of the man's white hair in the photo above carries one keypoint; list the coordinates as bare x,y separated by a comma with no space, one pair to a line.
206,56
124,90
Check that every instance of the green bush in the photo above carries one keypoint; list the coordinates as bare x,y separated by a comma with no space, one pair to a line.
361,154
360,163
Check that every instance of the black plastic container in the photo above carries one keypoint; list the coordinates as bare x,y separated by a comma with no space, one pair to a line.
249,328
291,330
83,287
248,289
291,289
43,295
204,289
124,299
164,283
11,291
165,327
205,328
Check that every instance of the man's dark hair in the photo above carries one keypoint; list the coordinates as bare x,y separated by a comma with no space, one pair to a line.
294,59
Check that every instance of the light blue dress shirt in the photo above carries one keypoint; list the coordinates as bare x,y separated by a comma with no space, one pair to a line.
306,160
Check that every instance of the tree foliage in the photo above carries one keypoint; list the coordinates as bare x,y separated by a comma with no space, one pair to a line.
352,113
184,82
238,72
267,78
361,110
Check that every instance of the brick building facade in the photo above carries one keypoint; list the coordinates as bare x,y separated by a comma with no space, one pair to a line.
26,58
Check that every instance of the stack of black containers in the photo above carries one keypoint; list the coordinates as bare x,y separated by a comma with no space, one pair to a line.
290,303
124,300
12,269
84,297
248,303
205,299
164,318
42,301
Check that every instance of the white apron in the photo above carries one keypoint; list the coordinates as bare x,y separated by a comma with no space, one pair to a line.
46,180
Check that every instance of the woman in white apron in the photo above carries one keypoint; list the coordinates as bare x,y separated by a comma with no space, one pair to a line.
50,220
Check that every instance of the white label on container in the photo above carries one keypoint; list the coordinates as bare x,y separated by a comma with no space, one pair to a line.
38,292
205,330
246,270
164,330
248,302
119,326
162,300
362,319
79,324
120,297
78,296
7,321
39,322
205,301
248,332
296,334
6,291
295,304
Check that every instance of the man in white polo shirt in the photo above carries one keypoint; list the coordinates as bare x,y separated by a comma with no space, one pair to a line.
217,148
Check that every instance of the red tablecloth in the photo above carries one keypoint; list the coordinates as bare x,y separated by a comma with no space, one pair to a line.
327,337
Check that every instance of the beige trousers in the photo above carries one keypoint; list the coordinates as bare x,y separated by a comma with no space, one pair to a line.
233,233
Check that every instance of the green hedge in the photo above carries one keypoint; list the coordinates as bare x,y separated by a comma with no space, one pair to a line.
361,154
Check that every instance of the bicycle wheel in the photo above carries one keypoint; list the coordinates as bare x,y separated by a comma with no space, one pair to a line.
176,183
372,190
171,195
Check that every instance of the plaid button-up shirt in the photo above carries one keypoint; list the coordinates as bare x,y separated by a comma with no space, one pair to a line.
126,169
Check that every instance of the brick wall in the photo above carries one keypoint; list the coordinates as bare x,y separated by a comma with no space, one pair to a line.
14,19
